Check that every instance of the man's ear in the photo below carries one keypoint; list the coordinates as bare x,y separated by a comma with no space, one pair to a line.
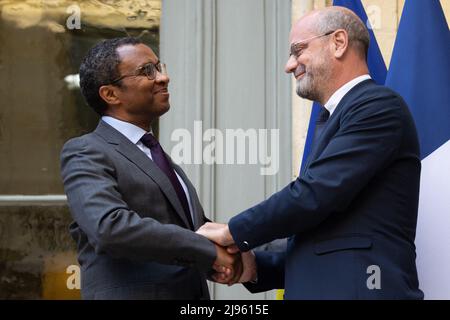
339,43
109,94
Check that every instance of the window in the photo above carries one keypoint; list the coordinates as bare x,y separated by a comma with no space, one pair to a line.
41,46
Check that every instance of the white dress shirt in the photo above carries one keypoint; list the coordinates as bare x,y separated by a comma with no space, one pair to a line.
134,134
342,91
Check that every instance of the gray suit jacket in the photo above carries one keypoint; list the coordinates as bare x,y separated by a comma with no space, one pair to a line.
133,239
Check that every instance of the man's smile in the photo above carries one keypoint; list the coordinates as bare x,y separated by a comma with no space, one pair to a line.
300,75
162,91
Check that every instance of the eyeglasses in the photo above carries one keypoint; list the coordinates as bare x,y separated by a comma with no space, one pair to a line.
148,70
298,47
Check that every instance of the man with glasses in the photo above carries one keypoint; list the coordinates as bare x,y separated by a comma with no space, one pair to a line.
351,214
135,212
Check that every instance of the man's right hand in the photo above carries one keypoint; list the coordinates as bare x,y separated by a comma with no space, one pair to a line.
246,272
228,266
250,272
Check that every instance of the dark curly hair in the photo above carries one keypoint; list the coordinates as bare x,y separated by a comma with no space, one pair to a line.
99,68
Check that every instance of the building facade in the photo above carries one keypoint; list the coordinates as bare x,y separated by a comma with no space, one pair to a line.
226,62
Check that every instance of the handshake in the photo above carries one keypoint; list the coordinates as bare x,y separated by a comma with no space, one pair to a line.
231,265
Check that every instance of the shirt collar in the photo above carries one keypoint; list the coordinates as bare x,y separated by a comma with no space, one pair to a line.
342,91
129,130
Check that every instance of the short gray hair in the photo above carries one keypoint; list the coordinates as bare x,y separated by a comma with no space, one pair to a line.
341,18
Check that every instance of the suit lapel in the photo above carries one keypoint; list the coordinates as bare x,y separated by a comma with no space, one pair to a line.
196,208
131,152
318,146
333,123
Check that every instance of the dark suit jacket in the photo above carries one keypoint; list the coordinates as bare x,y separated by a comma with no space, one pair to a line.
353,207
132,236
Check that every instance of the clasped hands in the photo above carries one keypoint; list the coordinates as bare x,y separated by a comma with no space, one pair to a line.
231,265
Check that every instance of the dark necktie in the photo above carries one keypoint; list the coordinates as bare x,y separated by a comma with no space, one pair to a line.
164,164
322,118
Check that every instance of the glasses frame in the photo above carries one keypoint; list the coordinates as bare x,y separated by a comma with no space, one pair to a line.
158,67
294,46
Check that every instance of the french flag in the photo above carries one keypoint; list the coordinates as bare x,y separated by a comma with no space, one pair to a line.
420,73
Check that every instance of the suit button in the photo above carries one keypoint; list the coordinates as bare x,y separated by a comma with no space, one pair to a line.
246,245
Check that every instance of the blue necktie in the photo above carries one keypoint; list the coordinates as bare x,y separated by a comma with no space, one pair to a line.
159,157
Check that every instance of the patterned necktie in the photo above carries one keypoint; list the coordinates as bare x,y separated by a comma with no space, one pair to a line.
164,164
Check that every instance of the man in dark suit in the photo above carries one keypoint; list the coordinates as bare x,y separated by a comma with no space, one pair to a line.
135,211
351,214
